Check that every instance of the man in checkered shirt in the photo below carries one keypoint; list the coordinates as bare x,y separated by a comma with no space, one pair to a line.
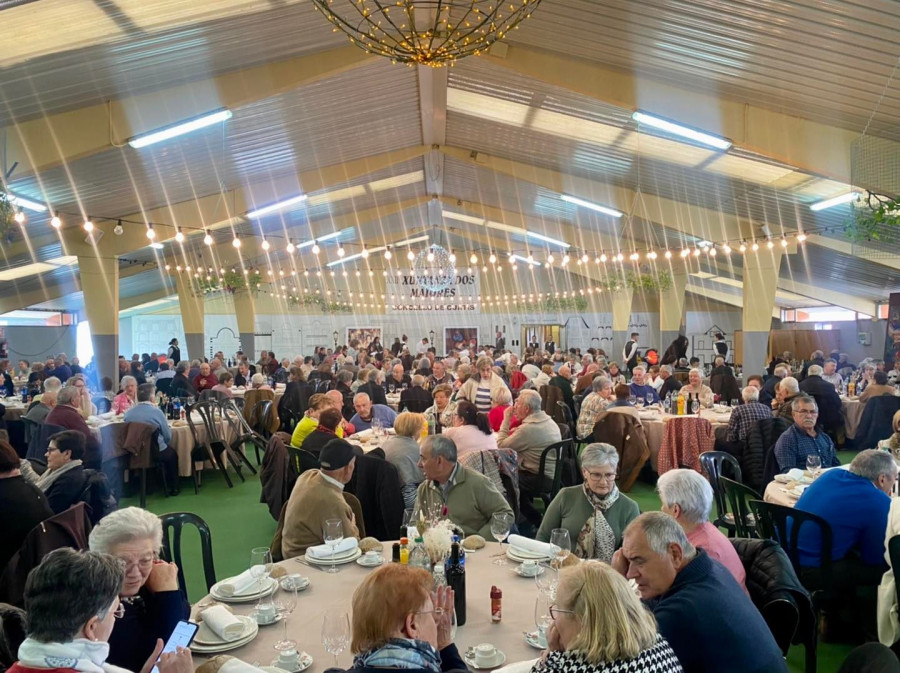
746,415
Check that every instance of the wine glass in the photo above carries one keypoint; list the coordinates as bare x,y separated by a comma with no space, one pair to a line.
542,617
336,633
814,464
391,388
548,580
562,546
695,406
260,565
333,533
639,402
734,403
501,522
285,606
649,399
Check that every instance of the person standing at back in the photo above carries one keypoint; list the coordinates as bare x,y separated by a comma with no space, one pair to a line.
630,352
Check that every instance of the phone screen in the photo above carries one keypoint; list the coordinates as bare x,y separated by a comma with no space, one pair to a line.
182,636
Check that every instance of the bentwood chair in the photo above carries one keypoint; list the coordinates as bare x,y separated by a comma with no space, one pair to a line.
209,444
243,433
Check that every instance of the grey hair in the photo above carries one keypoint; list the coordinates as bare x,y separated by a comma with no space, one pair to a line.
417,380
750,394
182,367
719,360
440,446
782,369
695,369
818,354
483,361
68,589
68,395
666,368
830,361
600,383
126,525
790,384
126,380
257,379
803,399
344,376
501,396
372,376
599,454
872,463
145,392
641,367
815,370
532,399
360,397
52,383
689,490
662,530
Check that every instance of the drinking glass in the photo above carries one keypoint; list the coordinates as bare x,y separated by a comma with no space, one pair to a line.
695,406
562,546
813,464
631,400
333,533
639,402
649,399
734,403
336,633
542,617
391,388
260,564
501,522
548,580
285,606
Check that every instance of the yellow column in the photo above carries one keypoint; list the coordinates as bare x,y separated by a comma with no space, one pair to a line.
100,285
190,301
671,311
621,309
760,282
245,310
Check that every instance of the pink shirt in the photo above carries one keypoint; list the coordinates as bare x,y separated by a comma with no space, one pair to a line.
122,403
711,540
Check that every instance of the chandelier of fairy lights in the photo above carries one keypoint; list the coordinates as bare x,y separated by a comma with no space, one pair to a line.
426,32
434,268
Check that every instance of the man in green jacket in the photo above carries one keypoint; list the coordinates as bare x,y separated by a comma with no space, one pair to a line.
470,498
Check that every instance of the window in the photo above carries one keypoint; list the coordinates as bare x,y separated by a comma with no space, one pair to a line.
84,347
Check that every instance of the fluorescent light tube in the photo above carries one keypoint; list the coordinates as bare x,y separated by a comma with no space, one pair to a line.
275,207
180,128
677,129
547,239
318,239
836,201
524,260
26,203
156,245
410,241
612,212
380,248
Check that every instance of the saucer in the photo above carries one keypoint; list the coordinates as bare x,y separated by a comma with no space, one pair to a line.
287,583
533,640
365,564
305,662
521,573
277,618
499,660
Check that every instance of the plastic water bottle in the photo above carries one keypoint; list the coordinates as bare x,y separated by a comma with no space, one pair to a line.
440,578
418,557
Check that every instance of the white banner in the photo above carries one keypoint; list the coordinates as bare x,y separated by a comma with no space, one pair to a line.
409,293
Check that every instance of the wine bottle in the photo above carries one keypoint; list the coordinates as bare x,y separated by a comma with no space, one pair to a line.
456,580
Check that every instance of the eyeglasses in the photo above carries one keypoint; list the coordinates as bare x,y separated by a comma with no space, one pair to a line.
437,612
120,611
144,564
555,612
605,476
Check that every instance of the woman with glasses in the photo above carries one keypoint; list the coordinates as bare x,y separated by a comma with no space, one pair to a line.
599,625
152,602
399,622
72,602
595,512
86,406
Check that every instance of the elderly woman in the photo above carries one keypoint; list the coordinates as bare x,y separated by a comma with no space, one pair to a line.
501,400
127,398
695,388
72,602
64,479
595,513
592,406
153,604
440,414
599,625
258,382
22,504
479,388
615,375
892,443
224,385
399,623
87,407
402,451
470,429
688,497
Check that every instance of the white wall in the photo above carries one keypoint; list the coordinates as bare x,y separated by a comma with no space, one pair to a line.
27,342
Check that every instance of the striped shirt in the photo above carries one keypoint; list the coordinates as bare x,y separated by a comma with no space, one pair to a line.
483,398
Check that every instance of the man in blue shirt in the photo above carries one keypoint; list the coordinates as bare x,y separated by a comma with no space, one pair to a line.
639,387
367,413
146,411
803,439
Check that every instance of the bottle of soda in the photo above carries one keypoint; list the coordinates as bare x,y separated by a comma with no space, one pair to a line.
456,580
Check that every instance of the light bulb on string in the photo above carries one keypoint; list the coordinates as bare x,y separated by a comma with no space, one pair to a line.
236,242
55,222
493,258
550,259
290,247
668,254
784,243
530,258
685,252
473,259
265,245
770,244
565,259
755,246
726,249
696,252
620,257
603,257
365,253
712,252
742,247
151,234
315,248
179,236
801,237
634,257
388,254
340,251
651,254
585,258
19,217
207,238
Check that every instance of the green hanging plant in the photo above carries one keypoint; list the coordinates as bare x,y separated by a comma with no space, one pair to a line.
316,300
644,282
7,217
563,304
878,219
230,282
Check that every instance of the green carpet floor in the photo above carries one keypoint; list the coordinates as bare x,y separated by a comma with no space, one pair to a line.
239,522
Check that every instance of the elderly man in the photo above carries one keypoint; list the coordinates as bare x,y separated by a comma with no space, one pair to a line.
802,439
374,387
438,376
688,497
398,378
470,498
367,413
670,385
39,411
205,380
585,380
817,358
146,411
593,406
216,367
785,392
829,402
416,398
181,384
640,388
338,400
830,374
318,495
51,385
879,386
563,381
746,415
767,394
67,414
701,610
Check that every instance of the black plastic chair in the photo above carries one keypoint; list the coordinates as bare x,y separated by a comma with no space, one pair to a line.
566,462
173,525
212,445
243,433
214,395
712,463
737,501
164,386
566,415
261,413
302,460
578,399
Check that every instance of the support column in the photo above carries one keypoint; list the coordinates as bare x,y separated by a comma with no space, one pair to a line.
671,312
621,306
100,285
760,282
245,310
191,306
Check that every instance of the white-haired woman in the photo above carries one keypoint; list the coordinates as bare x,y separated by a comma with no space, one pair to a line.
258,382
128,397
501,400
150,595
696,389
480,387
599,625
86,407
595,513
688,497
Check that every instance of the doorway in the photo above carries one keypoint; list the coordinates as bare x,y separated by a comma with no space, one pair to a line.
541,334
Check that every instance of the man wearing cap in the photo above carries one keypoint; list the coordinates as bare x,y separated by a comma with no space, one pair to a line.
318,495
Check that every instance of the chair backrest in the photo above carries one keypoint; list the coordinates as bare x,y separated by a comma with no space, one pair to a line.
163,385
416,406
232,413
206,409
302,460
102,403
894,553
566,415
239,403
762,438
214,395
40,440
173,525
260,413
737,500
565,472
783,524
626,434
875,423
712,463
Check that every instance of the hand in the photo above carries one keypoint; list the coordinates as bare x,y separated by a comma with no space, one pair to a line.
179,661
507,414
619,563
151,662
163,577
443,598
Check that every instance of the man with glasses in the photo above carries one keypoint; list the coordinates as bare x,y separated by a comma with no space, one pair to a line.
802,439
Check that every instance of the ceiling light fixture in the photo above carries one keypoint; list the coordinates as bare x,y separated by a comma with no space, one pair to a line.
801,237
151,234
56,223
88,225
22,202
473,259
834,201
606,210
493,258
277,206
697,136
179,236
387,253
668,254
236,242
315,248
207,238
180,128
265,245
290,247
19,217
156,245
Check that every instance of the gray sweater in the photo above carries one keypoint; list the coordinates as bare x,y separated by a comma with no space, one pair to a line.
403,453
537,432
570,509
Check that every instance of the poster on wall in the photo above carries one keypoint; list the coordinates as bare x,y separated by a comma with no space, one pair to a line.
365,335
409,293
459,338
892,342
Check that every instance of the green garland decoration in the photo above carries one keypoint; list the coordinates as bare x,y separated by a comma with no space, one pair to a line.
877,220
644,282
325,306
230,282
7,215
563,304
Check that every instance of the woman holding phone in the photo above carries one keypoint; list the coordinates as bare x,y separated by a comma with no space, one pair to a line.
152,601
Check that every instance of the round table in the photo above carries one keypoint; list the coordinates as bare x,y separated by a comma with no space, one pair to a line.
14,409
654,427
334,592
852,410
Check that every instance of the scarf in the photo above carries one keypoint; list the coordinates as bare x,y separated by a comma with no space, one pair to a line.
597,539
400,653
46,480
894,443
80,654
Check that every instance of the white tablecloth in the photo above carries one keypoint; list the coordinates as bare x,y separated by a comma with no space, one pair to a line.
852,409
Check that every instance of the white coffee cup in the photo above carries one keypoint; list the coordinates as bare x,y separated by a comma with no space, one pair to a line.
290,659
266,613
372,556
485,654
529,568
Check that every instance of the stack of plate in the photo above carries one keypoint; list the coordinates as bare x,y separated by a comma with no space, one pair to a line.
519,555
207,642
265,587
339,558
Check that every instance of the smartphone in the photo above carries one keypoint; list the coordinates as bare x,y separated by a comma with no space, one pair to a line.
182,636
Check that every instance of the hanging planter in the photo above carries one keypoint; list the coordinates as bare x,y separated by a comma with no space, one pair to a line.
7,217
325,306
875,218
643,282
231,282
563,304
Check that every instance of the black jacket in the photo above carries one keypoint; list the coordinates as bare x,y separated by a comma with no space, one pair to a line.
415,399
150,616
22,507
760,450
66,490
376,483
670,385
767,394
374,391
723,384
316,440
181,387
566,387
827,399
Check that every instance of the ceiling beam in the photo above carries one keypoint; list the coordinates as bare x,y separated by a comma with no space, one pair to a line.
808,145
872,255
46,142
433,109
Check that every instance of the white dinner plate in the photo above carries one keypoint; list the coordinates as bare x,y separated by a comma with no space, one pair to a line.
225,647
206,636
269,586
338,560
782,478
520,555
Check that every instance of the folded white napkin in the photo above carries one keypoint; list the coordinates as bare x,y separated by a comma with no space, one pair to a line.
529,545
221,622
363,434
324,551
242,584
795,473
108,415
237,666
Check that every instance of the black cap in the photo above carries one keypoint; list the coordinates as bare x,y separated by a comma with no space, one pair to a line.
336,454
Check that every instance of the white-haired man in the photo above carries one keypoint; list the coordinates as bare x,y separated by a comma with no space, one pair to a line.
746,415
767,394
367,413
803,439
639,387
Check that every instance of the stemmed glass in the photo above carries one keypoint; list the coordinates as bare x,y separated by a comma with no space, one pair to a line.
333,533
649,399
695,406
548,580
562,546
814,464
542,617
260,565
501,522
735,403
286,605
639,402
336,633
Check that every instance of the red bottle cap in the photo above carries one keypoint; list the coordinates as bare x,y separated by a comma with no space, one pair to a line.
496,593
